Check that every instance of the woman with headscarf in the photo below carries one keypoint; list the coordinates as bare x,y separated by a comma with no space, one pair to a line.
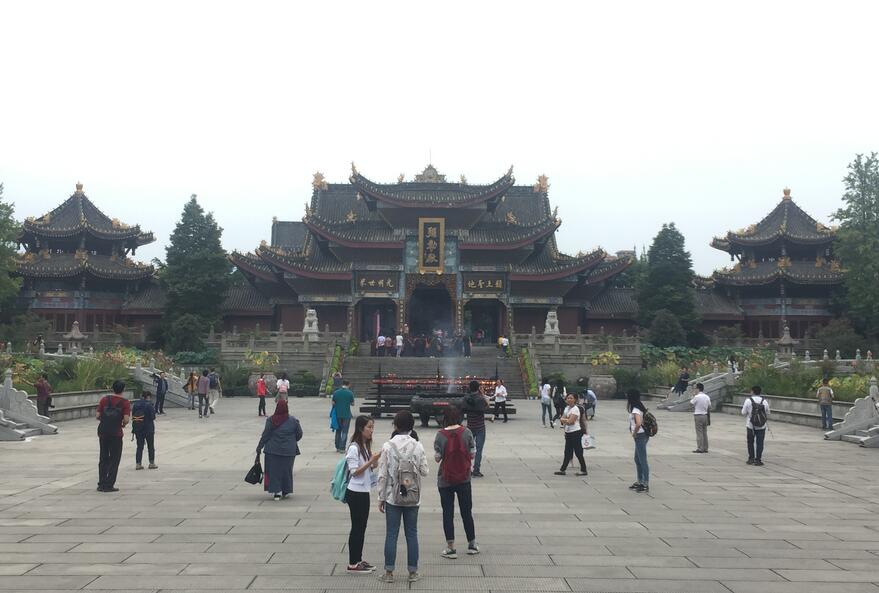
280,440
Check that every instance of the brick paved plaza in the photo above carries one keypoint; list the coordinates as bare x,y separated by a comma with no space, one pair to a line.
808,521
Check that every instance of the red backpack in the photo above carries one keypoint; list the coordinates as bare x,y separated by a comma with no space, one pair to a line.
456,458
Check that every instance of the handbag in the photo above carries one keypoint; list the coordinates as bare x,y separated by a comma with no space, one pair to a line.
254,476
588,441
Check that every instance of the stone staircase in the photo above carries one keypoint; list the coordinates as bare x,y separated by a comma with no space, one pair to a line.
717,385
18,415
484,362
861,423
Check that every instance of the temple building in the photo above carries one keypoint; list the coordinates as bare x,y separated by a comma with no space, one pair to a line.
784,274
425,254
75,265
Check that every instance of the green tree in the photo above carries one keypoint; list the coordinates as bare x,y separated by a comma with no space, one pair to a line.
9,229
667,283
839,334
666,330
196,273
858,243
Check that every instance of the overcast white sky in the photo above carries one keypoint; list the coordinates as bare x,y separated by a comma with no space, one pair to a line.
639,113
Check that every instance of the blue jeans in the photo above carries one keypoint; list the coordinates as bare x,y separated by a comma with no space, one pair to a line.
342,434
827,416
409,515
641,467
545,410
479,437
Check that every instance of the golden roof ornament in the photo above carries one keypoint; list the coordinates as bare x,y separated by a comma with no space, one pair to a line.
78,187
351,216
308,210
430,175
263,244
401,178
542,185
555,213
319,182
786,192
463,179
784,262
819,262
353,169
752,263
511,218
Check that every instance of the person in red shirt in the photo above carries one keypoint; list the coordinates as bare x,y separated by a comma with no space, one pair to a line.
44,394
261,393
114,413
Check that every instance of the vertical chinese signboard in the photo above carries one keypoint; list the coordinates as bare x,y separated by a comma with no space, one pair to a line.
431,245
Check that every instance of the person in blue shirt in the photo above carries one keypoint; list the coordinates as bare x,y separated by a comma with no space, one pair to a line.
143,426
343,402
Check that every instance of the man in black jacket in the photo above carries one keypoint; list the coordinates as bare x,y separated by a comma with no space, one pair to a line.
161,390
143,425
474,407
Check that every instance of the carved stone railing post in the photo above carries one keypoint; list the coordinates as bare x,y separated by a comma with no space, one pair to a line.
826,355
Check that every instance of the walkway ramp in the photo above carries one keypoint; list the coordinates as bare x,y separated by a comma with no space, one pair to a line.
18,415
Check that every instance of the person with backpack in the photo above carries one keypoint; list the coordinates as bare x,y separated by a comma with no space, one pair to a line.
454,449
574,423
215,390
559,396
637,413
756,411
400,469
143,429
280,440
282,387
161,383
203,388
474,407
114,413
361,461
343,403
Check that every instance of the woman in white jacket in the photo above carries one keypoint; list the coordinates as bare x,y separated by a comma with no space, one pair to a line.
402,455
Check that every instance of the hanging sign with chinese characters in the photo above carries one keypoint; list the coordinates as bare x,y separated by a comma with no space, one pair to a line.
431,245
483,282
376,281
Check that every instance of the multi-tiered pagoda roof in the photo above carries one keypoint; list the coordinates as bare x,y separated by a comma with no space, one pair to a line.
787,244
363,222
76,239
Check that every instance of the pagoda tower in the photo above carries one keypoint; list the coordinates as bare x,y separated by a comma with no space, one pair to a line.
785,271
75,265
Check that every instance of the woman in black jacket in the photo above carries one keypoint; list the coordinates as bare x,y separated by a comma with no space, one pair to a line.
280,439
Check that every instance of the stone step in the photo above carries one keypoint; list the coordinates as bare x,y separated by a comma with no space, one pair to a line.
870,432
30,432
852,438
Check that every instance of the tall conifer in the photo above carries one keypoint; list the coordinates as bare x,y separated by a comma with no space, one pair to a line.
668,282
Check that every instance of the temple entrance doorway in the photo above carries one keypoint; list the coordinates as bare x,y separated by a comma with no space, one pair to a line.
485,316
430,308
376,317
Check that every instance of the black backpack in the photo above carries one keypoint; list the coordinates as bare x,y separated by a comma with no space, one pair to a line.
758,413
213,381
111,418
649,424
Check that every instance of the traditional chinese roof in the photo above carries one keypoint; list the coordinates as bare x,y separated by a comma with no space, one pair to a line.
254,265
238,299
369,233
288,234
549,264
622,303
79,215
70,265
787,221
311,262
430,189
798,272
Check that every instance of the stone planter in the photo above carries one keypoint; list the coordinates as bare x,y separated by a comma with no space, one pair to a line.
604,386
271,382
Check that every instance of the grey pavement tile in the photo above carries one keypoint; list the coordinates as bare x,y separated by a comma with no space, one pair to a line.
787,587
708,574
63,558
202,557
218,538
99,569
645,586
141,547
238,569
25,548
593,571
837,576
92,537
15,569
276,548
175,582
634,560
30,583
